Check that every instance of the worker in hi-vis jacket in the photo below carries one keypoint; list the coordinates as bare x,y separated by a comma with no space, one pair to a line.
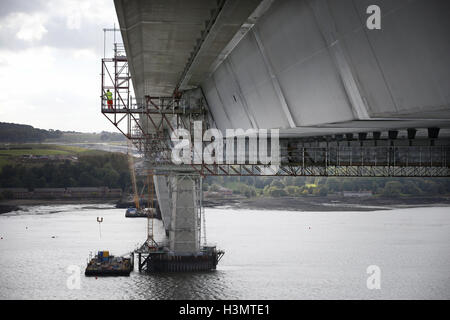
109,98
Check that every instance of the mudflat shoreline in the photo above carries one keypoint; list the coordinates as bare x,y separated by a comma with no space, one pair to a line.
315,203
16,204
326,203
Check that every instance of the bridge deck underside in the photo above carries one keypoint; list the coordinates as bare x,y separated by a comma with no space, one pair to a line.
313,67
305,67
310,68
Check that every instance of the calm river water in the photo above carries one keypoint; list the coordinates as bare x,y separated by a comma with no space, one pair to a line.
269,254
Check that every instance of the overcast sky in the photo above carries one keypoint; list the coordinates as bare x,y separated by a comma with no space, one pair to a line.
50,53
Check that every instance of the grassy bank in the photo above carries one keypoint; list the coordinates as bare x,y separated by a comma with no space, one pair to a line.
13,153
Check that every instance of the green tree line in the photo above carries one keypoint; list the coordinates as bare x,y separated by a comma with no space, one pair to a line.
109,170
323,186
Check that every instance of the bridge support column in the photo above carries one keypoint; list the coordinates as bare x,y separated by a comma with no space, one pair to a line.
184,233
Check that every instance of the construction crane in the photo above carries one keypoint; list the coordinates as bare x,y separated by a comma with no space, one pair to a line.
151,243
150,210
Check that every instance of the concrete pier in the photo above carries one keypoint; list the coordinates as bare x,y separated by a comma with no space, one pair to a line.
184,231
162,193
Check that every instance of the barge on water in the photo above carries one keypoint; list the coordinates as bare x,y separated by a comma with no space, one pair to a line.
141,213
105,265
161,260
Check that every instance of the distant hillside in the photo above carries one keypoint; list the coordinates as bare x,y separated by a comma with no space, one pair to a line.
20,133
